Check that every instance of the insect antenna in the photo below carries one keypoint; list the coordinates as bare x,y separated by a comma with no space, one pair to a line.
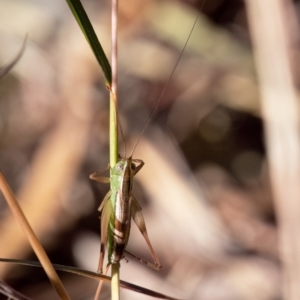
168,82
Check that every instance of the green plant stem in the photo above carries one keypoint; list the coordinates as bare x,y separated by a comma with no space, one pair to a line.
115,281
115,268
113,126
113,131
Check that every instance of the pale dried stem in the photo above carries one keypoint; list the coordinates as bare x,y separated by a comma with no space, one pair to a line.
268,22
56,161
32,238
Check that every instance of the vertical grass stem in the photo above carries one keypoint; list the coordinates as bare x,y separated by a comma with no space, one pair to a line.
115,283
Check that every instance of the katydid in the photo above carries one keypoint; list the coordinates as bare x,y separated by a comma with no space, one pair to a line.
119,204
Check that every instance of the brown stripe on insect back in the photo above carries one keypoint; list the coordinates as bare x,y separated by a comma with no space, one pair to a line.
127,178
119,241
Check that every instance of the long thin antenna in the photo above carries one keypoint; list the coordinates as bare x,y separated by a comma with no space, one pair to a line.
169,80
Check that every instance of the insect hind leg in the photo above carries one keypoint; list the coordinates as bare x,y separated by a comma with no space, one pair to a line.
137,216
100,285
156,266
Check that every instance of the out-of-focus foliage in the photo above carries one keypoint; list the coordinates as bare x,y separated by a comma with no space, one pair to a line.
204,189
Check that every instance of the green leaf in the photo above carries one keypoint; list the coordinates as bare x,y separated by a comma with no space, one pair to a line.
90,35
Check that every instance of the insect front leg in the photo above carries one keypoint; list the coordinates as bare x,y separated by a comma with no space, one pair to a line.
137,216
106,209
141,164
99,178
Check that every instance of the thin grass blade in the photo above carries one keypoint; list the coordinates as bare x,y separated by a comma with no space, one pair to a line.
4,70
32,238
77,271
90,35
10,293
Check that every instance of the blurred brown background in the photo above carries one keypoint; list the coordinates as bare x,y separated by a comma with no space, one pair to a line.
204,190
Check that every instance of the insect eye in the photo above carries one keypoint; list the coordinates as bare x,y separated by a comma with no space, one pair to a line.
133,166
120,167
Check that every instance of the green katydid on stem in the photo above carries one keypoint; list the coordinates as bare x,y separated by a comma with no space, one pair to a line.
118,206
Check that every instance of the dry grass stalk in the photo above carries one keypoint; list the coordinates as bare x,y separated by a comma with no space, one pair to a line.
268,21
